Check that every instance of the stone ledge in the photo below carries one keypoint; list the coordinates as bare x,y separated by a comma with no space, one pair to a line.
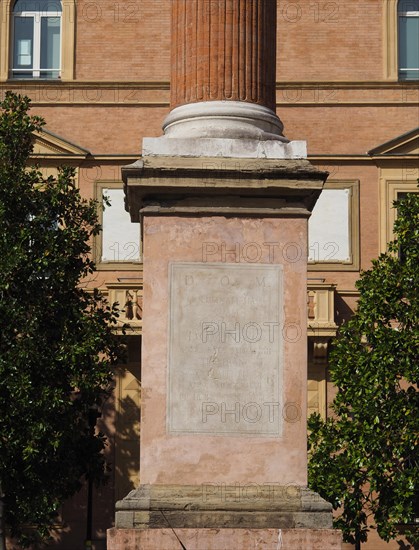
224,148
211,519
276,507
226,211
167,181
280,168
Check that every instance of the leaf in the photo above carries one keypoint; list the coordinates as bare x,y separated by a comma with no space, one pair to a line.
57,348
365,460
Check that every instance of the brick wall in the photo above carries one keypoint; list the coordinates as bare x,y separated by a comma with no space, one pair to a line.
123,40
329,41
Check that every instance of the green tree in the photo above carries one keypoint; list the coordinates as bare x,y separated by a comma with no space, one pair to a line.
57,346
365,459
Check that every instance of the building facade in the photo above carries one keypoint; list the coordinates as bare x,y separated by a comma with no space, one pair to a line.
347,83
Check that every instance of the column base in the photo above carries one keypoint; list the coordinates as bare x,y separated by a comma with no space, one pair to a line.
224,119
223,148
224,539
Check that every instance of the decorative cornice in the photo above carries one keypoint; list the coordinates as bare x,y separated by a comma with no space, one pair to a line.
167,185
165,84
152,94
406,140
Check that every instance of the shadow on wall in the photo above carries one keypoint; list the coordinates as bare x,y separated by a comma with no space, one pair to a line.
128,421
127,452
344,310
70,533
407,544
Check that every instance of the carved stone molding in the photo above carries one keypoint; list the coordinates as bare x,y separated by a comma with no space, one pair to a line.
321,310
320,349
129,296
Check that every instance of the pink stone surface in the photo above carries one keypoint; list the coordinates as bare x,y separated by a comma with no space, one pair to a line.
224,539
200,459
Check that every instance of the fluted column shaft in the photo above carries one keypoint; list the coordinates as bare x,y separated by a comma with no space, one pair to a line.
223,50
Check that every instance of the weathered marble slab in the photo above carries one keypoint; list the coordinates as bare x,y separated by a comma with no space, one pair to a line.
225,351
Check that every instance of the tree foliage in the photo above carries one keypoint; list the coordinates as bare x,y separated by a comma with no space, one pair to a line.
56,341
365,459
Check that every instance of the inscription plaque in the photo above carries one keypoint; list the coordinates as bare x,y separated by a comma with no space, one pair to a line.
225,349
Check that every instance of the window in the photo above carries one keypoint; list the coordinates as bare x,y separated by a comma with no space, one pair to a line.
36,31
401,40
119,245
333,228
408,39
37,39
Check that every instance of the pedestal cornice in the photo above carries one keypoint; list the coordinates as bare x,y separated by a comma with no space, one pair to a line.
182,185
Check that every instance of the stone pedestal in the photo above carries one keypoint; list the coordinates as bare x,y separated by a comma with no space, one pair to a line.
224,337
223,444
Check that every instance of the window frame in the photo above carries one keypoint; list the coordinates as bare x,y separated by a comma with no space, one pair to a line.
36,70
390,190
405,14
67,54
353,231
391,42
121,265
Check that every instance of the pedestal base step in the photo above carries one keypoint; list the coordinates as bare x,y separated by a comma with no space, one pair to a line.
224,539
206,507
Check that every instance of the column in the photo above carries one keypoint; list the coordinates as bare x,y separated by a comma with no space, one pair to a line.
223,69
223,51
